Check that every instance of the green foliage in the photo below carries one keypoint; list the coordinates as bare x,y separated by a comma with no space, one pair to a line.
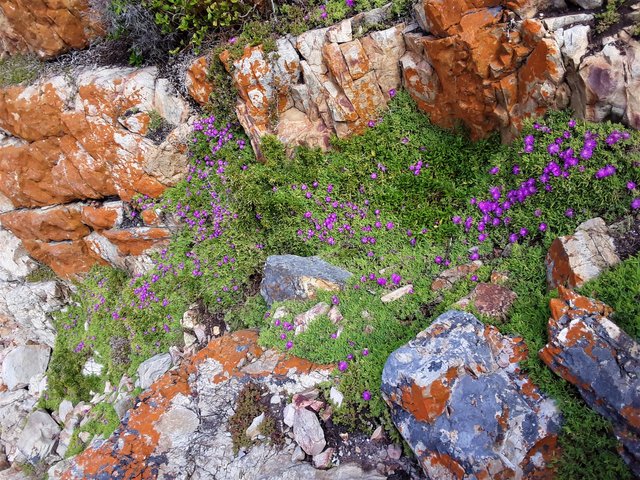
253,401
610,16
103,422
18,69
156,121
258,209
196,18
41,274
620,289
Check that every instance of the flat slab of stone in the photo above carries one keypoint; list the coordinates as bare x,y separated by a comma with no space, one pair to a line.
38,437
458,398
289,277
23,364
152,369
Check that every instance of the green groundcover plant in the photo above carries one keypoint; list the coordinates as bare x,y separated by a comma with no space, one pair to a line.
395,206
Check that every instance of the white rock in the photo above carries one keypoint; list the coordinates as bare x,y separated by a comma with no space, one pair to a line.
340,32
397,294
169,104
336,397
31,306
254,429
189,339
307,431
554,23
298,455
23,364
575,43
288,415
92,367
15,263
152,369
588,4
38,437
65,408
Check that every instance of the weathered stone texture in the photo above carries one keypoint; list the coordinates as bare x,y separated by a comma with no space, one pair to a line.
289,277
575,259
590,351
460,401
47,28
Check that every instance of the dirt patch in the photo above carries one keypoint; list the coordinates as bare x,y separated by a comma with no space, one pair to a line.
626,236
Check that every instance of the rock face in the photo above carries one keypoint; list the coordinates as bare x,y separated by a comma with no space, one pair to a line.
23,364
175,426
47,28
588,350
152,369
289,277
71,141
606,84
323,82
458,397
481,67
575,259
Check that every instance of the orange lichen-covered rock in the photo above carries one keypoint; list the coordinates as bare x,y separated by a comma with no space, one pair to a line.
327,83
59,154
197,82
135,241
458,397
184,417
482,70
54,224
590,351
47,28
67,259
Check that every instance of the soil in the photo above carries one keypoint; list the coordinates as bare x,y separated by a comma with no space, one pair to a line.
627,241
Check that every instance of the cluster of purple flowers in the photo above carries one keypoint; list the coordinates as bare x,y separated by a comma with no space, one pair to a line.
416,167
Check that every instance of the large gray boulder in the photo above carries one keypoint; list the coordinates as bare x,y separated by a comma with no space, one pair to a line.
23,364
458,397
289,277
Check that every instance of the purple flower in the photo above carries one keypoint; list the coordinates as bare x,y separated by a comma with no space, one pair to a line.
283,336
365,352
569,213
366,395
542,227
474,278
635,203
374,176
289,345
494,171
396,279
524,232
513,238
456,220
631,185
342,365
438,260
572,123
335,300
349,3
382,281
392,92
516,170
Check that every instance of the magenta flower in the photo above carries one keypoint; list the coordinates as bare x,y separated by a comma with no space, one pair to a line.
335,300
631,185
365,352
569,213
289,345
542,227
342,365
635,203
392,92
438,260
366,395
474,278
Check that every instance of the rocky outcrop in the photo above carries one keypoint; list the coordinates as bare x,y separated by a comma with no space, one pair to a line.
606,84
459,399
47,28
323,82
179,428
74,138
590,351
290,277
575,259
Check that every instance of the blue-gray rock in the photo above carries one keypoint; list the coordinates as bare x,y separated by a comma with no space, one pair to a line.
38,438
462,404
152,369
289,277
590,351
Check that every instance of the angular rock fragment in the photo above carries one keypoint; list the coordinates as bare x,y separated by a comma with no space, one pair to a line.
289,277
575,259
458,397
489,299
590,351
24,363
152,369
